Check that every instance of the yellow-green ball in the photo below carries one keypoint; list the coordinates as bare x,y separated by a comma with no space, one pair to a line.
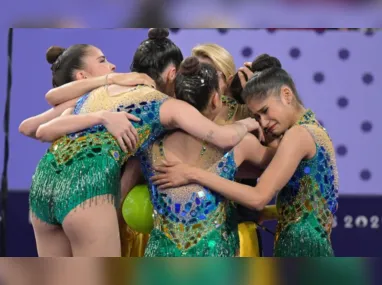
137,210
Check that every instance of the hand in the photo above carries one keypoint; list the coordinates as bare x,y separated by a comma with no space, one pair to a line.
247,71
260,134
271,140
253,125
118,124
131,79
172,174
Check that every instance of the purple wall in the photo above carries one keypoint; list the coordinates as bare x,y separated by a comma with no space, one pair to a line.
32,78
357,229
314,54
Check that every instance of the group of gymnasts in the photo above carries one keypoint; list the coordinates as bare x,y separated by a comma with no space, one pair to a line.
191,129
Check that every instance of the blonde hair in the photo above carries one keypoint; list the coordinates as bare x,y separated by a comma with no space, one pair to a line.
219,56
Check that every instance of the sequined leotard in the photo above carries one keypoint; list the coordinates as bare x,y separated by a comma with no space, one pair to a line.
306,205
191,220
86,164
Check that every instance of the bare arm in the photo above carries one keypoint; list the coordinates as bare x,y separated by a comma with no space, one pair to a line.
178,114
117,123
29,126
252,157
296,145
250,149
66,124
76,89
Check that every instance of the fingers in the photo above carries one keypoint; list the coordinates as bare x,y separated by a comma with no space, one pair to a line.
132,117
158,177
135,133
127,141
169,163
132,138
162,169
132,133
165,186
261,136
247,71
122,144
161,182
150,83
243,81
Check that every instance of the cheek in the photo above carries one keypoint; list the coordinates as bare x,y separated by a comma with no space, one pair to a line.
99,69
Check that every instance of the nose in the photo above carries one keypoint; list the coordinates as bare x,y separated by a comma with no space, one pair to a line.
264,123
112,67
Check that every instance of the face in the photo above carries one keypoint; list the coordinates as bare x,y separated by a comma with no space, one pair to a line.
274,113
222,79
96,64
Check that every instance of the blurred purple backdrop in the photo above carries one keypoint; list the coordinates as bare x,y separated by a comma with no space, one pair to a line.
337,74
193,14
345,101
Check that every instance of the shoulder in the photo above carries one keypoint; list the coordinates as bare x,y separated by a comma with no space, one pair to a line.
299,133
299,139
149,91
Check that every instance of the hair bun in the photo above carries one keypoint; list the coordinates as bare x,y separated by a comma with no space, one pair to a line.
53,53
265,61
158,33
190,65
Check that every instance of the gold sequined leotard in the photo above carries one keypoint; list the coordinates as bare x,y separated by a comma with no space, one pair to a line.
86,165
306,205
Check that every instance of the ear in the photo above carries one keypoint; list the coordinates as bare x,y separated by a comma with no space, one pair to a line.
215,101
229,80
171,74
286,95
80,74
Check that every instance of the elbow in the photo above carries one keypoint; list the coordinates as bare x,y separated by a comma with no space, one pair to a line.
258,203
23,129
256,206
229,143
42,135
49,97
234,138
27,130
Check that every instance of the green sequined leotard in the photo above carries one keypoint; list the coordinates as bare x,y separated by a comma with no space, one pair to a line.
85,165
192,221
306,205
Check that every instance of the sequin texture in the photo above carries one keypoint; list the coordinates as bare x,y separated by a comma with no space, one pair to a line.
96,140
191,220
86,165
307,203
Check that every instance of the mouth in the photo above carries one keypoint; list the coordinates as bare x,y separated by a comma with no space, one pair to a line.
271,128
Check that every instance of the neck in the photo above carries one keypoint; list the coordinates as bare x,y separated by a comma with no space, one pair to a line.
209,115
227,93
298,114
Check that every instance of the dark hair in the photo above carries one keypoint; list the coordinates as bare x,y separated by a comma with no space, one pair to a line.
155,53
195,82
268,75
65,61
236,89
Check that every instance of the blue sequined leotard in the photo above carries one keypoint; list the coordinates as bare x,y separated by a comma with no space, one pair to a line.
86,165
191,220
306,205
